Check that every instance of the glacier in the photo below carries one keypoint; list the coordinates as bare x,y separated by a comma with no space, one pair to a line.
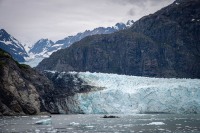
122,94
32,62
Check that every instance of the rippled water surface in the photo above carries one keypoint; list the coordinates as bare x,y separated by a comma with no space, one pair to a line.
156,123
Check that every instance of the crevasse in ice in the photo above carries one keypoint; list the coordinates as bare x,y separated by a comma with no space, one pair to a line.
130,94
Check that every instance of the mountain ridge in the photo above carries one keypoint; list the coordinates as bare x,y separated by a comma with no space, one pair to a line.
45,51
13,46
163,44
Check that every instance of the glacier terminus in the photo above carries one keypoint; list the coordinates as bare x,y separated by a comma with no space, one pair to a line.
122,94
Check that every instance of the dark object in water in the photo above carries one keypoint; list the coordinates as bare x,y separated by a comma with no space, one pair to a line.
110,116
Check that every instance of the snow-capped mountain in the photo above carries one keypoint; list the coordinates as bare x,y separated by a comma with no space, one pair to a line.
100,30
163,44
44,47
100,93
12,46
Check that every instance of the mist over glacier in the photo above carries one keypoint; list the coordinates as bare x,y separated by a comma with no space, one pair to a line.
121,94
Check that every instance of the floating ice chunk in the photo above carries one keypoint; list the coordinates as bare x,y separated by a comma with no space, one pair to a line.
89,126
25,116
74,124
156,123
161,129
37,130
34,118
44,122
45,116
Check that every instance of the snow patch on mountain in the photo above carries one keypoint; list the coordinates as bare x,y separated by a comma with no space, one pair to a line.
27,46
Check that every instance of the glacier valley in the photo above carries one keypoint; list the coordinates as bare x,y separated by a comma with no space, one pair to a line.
121,94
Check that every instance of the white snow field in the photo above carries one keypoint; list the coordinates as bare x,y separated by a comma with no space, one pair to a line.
121,94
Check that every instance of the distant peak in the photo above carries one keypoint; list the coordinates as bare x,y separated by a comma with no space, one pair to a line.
44,39
2,31
4,35
119,24
129,22
44,42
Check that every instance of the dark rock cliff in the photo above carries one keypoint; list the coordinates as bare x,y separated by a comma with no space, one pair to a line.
67,85
164,44
176,31
22,89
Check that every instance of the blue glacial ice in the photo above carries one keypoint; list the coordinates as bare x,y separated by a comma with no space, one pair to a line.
121,94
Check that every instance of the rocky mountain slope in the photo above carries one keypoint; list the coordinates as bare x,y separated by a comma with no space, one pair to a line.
164,44
22,89
44,47
13,46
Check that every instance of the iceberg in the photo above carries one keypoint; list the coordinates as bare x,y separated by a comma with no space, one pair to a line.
156,123
44,122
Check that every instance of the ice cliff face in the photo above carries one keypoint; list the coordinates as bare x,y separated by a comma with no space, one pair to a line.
111,93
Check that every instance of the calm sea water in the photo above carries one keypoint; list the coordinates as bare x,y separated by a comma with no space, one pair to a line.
149,123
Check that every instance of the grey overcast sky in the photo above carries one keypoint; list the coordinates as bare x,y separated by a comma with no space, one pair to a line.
30,20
